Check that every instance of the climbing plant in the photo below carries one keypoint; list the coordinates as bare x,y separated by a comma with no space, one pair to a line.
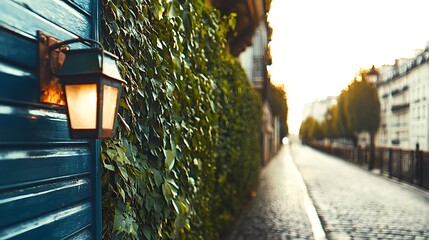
185,156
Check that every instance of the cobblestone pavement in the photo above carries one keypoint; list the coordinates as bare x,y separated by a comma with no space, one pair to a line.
356,204
277,211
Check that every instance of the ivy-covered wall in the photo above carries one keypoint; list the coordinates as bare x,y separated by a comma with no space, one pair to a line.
187,152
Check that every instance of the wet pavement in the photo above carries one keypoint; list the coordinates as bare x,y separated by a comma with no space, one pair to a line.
351,203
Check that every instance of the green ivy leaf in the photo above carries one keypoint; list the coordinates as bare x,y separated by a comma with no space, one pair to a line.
123,172
146,232
109,167
122,193
158,177
169,159
118,220
166,191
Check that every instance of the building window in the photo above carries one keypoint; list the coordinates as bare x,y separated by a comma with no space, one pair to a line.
258,64
417,113
418,93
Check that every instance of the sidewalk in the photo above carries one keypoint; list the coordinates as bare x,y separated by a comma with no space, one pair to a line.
281,208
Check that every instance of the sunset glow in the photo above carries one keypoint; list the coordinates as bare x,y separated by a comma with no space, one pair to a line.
318,46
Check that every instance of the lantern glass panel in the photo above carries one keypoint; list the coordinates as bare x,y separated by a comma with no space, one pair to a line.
110,97
82,105
372,78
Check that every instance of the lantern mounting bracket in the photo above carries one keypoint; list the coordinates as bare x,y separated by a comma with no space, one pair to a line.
51,58
51,91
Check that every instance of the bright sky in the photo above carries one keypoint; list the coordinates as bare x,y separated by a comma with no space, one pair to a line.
319,45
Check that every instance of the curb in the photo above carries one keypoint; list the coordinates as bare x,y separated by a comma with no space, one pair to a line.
310,209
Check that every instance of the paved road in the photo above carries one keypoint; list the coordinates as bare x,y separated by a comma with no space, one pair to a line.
355,204
277,211
351,202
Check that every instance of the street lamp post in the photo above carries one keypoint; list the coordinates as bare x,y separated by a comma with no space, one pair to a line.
372,77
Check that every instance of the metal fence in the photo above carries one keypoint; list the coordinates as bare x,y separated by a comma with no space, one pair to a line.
405,165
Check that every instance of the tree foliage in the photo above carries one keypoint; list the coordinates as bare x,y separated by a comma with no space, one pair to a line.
328,127
185,154
357,110
343,123
310,130
278,103
363,105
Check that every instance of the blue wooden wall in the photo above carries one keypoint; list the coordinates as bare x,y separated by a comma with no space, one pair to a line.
49,184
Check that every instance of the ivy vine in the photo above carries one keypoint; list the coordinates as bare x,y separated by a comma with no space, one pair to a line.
185,156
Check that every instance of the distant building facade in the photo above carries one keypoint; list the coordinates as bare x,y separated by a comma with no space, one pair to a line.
249,44
253,59
318,108
254,62
404,98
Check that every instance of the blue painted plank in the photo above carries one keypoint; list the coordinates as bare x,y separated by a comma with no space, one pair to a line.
20,205
49,184
23,167
18,84
20,18
23,124
56,225
83,4
85,234
18,50
59,13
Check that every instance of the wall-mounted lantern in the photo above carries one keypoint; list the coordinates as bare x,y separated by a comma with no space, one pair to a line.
90,80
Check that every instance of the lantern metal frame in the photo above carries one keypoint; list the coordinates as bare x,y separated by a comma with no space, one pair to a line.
61,65
372,75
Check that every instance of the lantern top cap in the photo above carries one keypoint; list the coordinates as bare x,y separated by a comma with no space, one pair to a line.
90,61
373,71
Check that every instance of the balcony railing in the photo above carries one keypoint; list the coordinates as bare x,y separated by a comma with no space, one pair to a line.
396,92
399,91
399,107
258,83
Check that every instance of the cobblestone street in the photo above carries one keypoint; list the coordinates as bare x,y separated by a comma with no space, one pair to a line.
351,202
356,204
277,211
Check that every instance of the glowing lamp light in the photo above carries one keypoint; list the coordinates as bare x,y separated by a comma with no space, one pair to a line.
92,86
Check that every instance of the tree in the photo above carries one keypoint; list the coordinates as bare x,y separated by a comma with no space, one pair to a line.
342,123
329,123
278,103
362,107
310,130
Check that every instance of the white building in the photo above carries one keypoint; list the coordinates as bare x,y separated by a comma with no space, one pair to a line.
253,58
404,97
254,62
318,108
